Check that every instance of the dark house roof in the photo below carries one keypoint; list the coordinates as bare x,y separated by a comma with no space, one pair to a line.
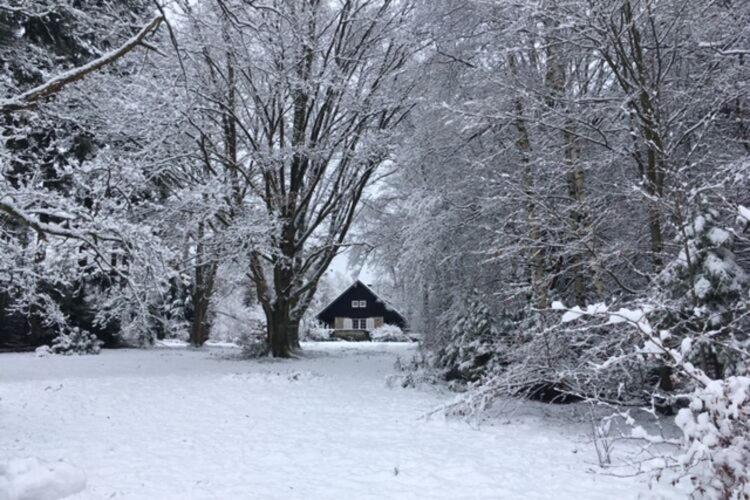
376,307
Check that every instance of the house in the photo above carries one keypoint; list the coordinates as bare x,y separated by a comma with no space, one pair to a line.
359,309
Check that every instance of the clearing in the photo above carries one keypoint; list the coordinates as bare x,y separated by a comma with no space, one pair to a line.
178,423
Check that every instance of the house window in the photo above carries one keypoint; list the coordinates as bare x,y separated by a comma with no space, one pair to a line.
355,304
359,324
362,303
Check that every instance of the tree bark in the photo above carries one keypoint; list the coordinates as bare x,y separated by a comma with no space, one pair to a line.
205,276
200,329
282,329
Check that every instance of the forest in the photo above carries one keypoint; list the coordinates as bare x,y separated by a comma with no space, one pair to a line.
555,194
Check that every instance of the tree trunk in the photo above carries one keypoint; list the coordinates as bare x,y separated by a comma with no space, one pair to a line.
536,257
200,329
646,111
282,326
282,330
205,275
556,80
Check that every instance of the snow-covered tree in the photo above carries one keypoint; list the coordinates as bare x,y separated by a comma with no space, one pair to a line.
63,239
473,343
710,292
315,93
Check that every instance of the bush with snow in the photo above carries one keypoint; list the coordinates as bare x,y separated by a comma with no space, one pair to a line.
42,351
716,430
412,373
715,446
74,340
254,345
315,331
33,479
467,353
319,334
389,333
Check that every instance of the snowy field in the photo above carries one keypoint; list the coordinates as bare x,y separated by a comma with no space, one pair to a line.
175,423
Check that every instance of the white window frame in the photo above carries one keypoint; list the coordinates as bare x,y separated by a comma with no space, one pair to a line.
362,303
355,304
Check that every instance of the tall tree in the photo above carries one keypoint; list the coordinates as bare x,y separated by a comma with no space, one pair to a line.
319,89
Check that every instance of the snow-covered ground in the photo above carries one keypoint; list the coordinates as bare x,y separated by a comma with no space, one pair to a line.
173,423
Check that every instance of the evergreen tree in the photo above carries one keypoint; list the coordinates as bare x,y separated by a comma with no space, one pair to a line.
471,343
708,288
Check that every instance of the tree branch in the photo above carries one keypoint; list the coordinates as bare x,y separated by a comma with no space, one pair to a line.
30,98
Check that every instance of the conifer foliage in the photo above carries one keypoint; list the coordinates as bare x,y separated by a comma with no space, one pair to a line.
471,344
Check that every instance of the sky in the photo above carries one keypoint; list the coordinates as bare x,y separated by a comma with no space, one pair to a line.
340,264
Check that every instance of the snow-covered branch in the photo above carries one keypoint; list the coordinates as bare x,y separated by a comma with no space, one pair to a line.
31,97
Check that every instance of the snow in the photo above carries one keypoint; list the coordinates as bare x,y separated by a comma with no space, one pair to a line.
32,479
179,423
702,287
718,236
744,214
576,312
699,224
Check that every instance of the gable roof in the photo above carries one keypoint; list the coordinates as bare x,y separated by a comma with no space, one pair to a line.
387,304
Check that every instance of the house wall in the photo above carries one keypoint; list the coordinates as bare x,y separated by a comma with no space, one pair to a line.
342,323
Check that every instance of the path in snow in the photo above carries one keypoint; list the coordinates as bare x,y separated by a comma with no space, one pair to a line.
172,423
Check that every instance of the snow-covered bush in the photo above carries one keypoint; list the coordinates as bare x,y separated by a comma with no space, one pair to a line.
715,446
319,334
470,346
315,331
412,373
74,340
389,333
254,344
716,429
42,351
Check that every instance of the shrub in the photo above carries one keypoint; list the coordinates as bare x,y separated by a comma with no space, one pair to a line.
715,445
389,333
317,332
254,344
74,340
716,434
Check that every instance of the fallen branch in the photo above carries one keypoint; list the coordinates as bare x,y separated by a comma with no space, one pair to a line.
30,98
